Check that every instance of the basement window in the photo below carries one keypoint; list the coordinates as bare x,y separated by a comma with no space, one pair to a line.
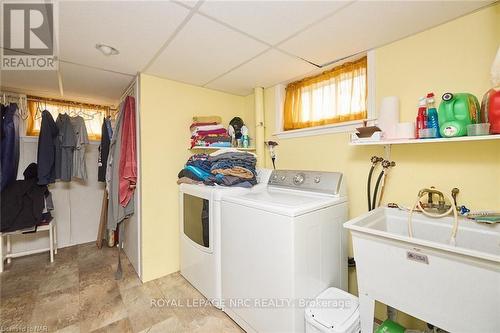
93,115
336,100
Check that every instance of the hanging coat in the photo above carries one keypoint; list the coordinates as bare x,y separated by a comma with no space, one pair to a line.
103,151
9,144
127,172
116,213
47,149
23,202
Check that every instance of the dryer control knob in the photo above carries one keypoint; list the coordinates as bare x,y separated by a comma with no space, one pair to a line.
283,178
298,179
317,179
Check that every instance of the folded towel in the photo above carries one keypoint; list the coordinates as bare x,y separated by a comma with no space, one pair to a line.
186,180
196,129
207,119
200,124
217,138
219,131
220,144
235,171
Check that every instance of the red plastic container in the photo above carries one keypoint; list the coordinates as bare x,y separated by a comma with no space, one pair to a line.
420,123
490,110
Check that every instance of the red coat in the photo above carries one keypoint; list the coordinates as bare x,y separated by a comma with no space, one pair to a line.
127,172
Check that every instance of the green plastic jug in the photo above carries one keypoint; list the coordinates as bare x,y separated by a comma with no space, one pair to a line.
389,326
456,111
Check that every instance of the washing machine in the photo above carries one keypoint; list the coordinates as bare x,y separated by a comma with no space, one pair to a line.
200,240
281,247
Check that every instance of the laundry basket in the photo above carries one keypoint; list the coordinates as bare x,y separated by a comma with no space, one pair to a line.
333,311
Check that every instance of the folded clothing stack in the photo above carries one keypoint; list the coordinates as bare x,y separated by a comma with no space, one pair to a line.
208,132
221,168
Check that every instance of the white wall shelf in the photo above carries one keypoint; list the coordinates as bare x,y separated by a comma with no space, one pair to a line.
388,143
415,141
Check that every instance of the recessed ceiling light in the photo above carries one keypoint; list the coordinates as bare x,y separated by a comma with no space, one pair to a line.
107,50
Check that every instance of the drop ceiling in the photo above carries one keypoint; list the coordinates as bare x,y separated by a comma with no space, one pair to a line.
230,46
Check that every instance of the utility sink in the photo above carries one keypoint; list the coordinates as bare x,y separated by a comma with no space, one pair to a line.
455,287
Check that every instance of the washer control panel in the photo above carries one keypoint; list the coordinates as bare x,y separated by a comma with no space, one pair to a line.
315,181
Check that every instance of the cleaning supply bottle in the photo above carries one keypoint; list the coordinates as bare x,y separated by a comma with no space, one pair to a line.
432,114
389,326
490,110
456,111
490,107
421,116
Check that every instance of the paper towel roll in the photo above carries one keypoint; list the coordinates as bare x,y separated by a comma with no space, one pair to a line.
405,130
388,117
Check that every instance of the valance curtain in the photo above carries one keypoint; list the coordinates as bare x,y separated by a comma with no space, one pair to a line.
334,96
93,116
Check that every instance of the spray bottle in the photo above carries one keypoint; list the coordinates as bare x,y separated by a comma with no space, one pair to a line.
432,114
421,122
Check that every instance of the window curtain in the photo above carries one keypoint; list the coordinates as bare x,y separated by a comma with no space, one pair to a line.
93,116
334,96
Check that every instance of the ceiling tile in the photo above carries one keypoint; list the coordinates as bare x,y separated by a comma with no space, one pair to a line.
368,24
136,28
266,70
270,21
88,84
188,3
31,82
203,50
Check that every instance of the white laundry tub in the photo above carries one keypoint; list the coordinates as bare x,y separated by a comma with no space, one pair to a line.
456,288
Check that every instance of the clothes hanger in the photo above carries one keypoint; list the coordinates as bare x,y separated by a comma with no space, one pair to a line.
90,116
72,112
83,114
38,113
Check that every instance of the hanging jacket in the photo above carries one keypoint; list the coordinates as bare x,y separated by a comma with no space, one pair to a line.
128,160
103,151
46,149
23,202
9,144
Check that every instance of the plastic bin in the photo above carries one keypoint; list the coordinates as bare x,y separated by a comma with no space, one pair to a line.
427,133
478,129
333,311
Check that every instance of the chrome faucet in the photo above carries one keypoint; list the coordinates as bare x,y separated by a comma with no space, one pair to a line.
440,206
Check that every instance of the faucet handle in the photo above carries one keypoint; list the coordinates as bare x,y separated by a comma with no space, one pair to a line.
454,193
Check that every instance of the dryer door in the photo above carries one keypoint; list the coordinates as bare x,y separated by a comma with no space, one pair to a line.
196,219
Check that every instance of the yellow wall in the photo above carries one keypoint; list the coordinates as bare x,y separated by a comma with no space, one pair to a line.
166,110
454,57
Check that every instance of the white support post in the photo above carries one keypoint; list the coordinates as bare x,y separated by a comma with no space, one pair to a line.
51,245
367,312
54,226
9,249
387,152
259,126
